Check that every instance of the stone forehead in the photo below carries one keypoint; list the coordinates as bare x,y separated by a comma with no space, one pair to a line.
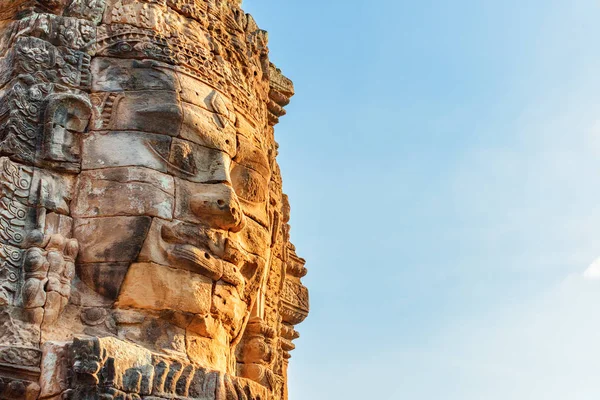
212,40
122,75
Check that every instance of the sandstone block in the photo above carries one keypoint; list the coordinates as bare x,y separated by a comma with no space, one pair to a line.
83,295
17,330
99,243
59,224
251,155
114,191
159,180
197,163
202,95
156,287
205,128
129,317
54,375
53,190
155,249
252,190
186,246
210,353
115,75
245,127
204,384
254,238
206,325
125,355
103,278
228,306
147,111
119,149
154,333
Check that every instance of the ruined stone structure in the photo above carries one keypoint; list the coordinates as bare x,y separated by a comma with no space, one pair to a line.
144,237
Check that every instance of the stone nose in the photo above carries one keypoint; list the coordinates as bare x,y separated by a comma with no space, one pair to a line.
219,207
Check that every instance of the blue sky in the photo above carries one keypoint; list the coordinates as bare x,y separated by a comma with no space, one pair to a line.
443,164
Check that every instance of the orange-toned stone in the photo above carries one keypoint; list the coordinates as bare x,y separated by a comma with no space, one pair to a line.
144,237
150,286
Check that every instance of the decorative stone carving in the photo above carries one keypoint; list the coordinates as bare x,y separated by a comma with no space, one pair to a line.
144,237
65,115
49,267
108,368
15,185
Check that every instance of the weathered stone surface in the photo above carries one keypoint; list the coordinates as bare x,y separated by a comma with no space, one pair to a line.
100,244
144,237
53,190
196,163
186,246
205,128
119,149
228,306
215,204
161,181
207,326
114,75
124,191
156,249
84,295
206,97
54,375
211,353
254,238
58,223
103,278
252,190
156,287
147,111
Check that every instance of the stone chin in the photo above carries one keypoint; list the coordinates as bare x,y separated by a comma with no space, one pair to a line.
193,278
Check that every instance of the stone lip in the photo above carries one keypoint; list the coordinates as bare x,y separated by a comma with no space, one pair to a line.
197,249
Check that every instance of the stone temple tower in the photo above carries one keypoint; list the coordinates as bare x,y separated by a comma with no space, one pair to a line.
144,237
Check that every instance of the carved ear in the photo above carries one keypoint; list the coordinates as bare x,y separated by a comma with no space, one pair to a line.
66,115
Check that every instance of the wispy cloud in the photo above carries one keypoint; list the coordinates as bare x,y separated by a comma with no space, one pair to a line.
592,272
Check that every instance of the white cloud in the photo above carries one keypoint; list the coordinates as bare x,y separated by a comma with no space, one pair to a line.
592,272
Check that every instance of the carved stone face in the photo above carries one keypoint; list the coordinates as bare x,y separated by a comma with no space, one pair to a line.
172,211
144,237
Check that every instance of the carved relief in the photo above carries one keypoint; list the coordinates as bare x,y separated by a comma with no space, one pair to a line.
73,33
86,9
49,267
15,184
294,296
114,369
47,63
66,115
10,273
23,116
